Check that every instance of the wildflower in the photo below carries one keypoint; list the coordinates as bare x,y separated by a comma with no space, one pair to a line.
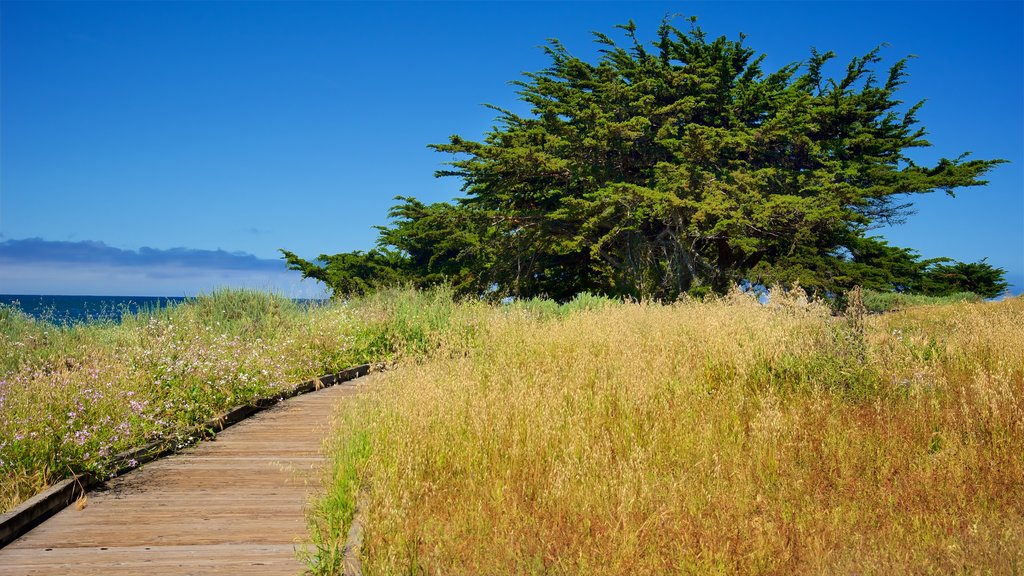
81,437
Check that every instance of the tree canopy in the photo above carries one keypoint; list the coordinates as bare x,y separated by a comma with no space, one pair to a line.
672,167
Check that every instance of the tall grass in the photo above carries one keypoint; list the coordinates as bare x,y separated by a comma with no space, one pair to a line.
701,438
879,302
73,395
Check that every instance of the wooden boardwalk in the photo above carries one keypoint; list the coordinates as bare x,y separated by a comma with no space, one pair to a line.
235,505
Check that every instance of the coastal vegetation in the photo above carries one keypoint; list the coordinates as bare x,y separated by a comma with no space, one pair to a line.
734,434
72,396
726,436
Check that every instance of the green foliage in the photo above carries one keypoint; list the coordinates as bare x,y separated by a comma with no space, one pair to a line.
19,334
438,240
879,302
665,168
351,273
875,265
980,278
544,308
402,323
427,245
240,312
333,515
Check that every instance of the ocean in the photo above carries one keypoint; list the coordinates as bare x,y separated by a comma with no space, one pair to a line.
75,309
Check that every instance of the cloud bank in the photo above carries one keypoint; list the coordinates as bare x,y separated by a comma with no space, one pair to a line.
38,266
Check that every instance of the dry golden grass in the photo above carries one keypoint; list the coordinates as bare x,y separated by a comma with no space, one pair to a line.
715,438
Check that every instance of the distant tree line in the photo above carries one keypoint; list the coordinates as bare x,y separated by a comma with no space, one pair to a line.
671,168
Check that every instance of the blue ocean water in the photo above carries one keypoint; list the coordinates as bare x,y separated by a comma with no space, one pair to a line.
74,309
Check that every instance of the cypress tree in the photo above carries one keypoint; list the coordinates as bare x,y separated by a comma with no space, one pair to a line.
682,166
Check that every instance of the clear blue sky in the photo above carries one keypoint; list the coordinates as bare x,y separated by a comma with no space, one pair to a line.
212,134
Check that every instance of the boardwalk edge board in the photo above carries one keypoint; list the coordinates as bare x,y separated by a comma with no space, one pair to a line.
350,561
37,509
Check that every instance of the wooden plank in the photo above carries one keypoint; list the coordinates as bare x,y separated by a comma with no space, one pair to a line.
36,509
232,506
134,560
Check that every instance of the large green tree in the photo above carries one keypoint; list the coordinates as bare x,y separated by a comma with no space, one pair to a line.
678,165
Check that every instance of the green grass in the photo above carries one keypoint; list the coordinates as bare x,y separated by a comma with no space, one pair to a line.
880,302
334,513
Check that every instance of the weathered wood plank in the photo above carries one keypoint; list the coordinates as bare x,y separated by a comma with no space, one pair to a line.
200,559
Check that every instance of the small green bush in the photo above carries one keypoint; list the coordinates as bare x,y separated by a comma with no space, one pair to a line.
880,302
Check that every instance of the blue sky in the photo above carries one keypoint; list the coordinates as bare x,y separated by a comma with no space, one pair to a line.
167,148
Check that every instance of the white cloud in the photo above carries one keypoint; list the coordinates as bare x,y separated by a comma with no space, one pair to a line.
91,268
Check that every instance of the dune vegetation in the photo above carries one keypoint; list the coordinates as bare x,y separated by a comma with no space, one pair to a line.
71,396
590,437
717,437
